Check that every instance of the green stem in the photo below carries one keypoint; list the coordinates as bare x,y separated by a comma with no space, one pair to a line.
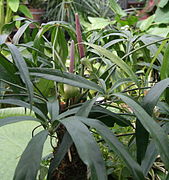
8,16
1,15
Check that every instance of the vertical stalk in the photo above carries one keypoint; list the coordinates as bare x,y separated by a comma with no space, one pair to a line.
1,15
79,37
79,40
8,16
72,57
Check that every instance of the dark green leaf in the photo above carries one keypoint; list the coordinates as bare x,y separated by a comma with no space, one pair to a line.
22,104
156,132
29,163
23,69
118,83
86,146
149,158
65,77
116,146
108,117
23,9
8,70
9,120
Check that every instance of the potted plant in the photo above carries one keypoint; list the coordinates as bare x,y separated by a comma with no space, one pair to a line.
59,76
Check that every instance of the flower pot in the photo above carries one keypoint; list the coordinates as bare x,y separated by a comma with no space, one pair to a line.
37,15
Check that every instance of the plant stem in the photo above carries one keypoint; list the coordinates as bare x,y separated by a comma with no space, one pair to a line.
72,57
8,16
1,15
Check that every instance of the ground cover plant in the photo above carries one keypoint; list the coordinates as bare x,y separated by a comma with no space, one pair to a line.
100,96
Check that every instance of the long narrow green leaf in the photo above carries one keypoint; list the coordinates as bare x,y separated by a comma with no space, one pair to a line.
22,104
29,162
156,132
65,77
149,102
141,143
86,146
116,146
108,117
23,69
115,59
10,120
20,32
149,158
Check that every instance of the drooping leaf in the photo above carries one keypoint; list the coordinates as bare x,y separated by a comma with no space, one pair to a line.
22,104
14,139
29,163
23,69
65,77
20,32
9,120
86,146
110,43
156,132
15,111
116,146
108,117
